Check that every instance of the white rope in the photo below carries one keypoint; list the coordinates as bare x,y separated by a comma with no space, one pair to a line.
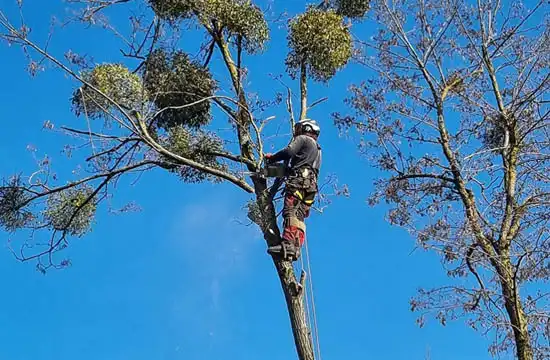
308,313
315,327
310,306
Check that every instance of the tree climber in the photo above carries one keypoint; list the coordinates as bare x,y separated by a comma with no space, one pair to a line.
304,154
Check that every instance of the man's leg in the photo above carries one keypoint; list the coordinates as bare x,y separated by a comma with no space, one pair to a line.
294,227
302,212
294,234
306,205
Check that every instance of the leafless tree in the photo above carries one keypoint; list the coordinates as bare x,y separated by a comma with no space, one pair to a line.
455,111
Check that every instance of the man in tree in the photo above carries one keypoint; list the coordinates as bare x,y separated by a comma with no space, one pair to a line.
304,155
157,104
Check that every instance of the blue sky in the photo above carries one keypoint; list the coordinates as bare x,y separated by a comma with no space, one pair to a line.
183,279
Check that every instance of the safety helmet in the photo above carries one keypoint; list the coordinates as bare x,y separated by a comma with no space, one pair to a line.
308,126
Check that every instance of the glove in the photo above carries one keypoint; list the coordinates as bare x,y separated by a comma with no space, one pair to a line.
268,157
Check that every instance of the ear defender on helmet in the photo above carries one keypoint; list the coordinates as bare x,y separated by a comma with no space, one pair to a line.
307,126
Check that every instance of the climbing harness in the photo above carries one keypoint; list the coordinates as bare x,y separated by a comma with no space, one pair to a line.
299,195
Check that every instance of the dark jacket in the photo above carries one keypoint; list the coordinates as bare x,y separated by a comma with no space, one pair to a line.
302,151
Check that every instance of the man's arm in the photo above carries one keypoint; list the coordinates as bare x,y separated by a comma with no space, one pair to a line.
289,151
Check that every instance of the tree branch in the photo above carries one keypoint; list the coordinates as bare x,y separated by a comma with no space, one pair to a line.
232,157
303,91
472,269
108,174
424,176
188,162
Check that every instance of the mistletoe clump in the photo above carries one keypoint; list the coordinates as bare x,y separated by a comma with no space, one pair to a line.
174,9
493,132
236,18
13,197
71,210
240,18
319,40
199,146
174,82
116,84
354,9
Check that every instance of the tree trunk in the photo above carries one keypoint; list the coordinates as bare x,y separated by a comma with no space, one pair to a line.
294,302
515,312
296,311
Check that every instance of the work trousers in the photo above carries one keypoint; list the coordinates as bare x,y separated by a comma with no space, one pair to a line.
300,192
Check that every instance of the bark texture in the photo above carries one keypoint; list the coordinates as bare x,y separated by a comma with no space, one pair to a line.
296,311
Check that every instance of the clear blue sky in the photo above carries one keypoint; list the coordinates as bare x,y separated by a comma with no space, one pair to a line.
182,279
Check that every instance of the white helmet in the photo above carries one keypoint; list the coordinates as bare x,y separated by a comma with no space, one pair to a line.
308,126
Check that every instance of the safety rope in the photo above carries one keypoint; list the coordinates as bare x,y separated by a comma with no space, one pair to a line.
308,314
311,313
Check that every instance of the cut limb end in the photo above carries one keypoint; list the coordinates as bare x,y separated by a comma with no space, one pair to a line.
299,286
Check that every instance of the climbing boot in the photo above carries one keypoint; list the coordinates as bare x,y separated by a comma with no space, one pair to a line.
285,250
